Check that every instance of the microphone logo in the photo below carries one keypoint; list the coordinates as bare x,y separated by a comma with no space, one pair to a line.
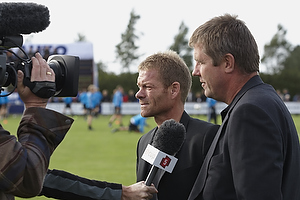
165,161
159,159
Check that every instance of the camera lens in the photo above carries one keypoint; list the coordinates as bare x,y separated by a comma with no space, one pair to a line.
66,69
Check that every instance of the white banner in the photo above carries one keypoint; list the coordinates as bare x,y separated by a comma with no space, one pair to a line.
84,50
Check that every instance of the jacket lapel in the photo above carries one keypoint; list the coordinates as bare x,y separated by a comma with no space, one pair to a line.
201,178
184,120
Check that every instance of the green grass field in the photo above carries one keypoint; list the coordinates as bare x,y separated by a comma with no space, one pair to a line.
98,154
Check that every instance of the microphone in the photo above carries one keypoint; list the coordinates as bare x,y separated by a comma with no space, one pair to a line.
22,18
166,143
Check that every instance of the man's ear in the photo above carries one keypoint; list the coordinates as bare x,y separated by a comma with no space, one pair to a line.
175,89
229,63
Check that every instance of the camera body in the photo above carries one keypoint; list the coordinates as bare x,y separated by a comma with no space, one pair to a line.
65,67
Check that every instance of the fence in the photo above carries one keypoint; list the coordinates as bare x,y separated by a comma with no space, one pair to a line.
191,108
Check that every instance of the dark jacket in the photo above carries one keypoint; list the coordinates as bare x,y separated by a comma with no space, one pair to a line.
178,184
256,154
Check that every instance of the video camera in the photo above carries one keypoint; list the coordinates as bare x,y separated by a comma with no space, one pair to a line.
66,69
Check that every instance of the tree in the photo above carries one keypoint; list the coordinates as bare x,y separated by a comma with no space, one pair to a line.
283,62
181,45
290,74
101,66
109,81
276,52
81,38
126,49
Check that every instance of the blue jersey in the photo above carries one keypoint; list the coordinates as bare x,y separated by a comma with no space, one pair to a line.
118,99
3,100
98,97
91,100
68,100
211,102
139,121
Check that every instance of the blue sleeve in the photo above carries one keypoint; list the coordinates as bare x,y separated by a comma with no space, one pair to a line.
63,185
142,124
83,98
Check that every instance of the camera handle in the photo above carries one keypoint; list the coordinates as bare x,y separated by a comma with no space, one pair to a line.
43,89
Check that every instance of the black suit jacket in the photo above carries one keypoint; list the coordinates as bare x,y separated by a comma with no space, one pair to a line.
178,184
255,154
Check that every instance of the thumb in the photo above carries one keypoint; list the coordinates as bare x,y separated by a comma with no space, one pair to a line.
20,80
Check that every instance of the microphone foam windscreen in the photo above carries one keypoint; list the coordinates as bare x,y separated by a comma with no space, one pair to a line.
22,18
169,137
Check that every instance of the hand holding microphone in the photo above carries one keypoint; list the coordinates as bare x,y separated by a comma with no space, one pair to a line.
166,143
138,191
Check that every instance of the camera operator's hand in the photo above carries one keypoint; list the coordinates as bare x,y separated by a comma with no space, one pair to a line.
40,72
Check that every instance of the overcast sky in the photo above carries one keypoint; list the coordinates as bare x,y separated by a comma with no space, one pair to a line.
103,22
